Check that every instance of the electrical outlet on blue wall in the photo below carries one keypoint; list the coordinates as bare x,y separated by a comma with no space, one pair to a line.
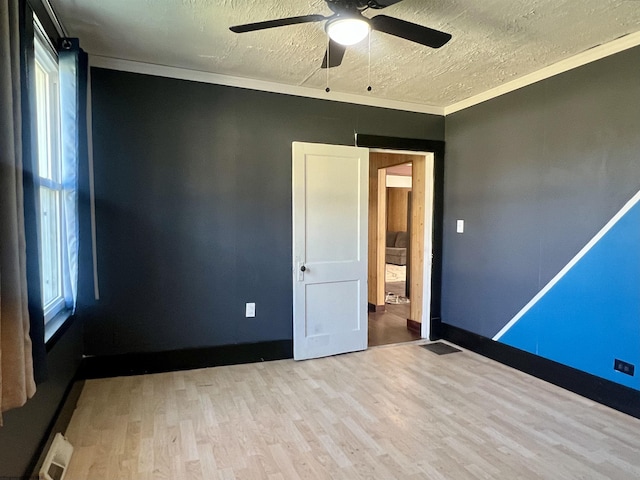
624,367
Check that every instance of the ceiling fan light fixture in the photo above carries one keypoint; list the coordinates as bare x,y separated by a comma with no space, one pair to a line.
347,30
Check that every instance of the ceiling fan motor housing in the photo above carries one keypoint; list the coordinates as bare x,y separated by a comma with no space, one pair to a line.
341,6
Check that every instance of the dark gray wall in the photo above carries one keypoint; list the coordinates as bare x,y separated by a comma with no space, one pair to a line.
535,174
193,205
24,428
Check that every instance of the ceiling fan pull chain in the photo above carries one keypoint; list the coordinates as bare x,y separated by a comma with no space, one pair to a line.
328,62
369,68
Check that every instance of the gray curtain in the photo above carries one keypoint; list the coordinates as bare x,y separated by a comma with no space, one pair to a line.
16,364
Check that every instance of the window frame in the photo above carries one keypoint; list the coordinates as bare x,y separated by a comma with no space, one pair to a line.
46,59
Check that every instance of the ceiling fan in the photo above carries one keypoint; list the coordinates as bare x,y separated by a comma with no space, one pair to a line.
347,26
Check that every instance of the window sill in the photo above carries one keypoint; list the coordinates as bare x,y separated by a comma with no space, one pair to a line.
55,328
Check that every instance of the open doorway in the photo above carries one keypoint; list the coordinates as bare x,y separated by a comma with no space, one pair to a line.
400,225
389,324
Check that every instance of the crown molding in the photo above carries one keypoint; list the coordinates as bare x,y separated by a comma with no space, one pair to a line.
261,85
596,53
593,54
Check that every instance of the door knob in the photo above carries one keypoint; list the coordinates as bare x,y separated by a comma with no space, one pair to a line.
303,268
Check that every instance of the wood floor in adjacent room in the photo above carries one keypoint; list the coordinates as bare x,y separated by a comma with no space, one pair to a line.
385,413
390,326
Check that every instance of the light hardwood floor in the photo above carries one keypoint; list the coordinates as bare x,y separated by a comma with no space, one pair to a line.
389,412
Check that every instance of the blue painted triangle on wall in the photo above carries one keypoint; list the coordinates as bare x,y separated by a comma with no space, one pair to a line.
591,316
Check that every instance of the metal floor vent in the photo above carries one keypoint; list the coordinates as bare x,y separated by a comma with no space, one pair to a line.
57,460
440,348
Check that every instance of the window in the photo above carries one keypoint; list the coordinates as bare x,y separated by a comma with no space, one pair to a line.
52,250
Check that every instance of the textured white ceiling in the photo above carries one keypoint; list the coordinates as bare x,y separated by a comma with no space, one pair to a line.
494,41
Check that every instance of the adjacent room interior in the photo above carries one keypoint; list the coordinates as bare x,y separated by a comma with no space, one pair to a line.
389,325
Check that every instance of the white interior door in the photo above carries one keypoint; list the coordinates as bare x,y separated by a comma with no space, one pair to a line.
330,214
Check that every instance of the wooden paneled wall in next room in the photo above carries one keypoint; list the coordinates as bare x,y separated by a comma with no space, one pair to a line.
397,208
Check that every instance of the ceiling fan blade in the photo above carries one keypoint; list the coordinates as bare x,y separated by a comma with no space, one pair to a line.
280,22
410,31
335,52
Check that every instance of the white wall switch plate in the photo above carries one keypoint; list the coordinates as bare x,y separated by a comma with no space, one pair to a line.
460,226
250,310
